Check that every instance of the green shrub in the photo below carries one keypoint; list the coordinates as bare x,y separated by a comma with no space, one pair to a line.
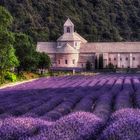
88,66
10,76
111,66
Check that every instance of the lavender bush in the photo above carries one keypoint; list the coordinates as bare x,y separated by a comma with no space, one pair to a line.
77,126
123,125
13,128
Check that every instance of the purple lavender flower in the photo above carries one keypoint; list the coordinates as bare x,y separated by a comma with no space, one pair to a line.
123,100
123,125
54,98
13,128
76,126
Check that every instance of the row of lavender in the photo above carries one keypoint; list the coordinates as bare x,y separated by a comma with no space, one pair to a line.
44,104
55,97
124,124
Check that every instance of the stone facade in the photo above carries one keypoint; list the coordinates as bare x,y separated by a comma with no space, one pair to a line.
73,51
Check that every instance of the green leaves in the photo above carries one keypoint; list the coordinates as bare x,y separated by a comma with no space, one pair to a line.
43,19
5,18
25,51
6,38
8,59
44,61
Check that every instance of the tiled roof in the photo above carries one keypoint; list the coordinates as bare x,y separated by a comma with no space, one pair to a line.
71,37
68,23
68,37
105,47
47,47
67,49
83,40
51,47
110,47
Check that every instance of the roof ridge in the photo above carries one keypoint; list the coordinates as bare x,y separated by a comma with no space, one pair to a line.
67,44
80,37
68,23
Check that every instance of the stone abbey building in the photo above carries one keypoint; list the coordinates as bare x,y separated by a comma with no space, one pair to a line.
73,51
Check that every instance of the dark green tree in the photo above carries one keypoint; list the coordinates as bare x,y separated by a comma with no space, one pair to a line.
5,18
88,66
8,59
111,66
96,20
96,62
101,61
44,61
25,51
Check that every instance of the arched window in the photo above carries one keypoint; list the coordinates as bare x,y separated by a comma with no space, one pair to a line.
66,61
68,29
73,61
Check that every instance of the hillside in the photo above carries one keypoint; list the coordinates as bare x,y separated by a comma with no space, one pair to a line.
96,20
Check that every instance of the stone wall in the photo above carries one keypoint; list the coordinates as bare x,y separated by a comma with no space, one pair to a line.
119,60
83,58
67,60
122,60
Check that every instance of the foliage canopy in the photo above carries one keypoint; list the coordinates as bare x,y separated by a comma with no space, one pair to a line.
8,59
96,20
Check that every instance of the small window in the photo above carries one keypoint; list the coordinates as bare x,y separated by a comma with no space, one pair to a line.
120,59
59,44
66,61
133,58
68,29
109,59
82,65
75,43
58,61
126,59
114,59
73,61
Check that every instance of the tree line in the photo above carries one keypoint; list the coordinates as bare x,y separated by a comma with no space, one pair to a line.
17,50
95,20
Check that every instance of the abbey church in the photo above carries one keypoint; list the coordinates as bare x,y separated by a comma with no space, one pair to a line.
73,51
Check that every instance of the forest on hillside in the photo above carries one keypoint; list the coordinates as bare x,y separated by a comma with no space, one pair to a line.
96,20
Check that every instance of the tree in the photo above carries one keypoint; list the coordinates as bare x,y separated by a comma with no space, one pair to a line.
44,61
101,61
8,59
110,66
88,66
96,20
96,62
25,52
5,18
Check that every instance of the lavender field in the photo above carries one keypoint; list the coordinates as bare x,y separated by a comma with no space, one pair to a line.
102,107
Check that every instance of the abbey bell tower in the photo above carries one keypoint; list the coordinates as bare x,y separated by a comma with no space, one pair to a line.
68,26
